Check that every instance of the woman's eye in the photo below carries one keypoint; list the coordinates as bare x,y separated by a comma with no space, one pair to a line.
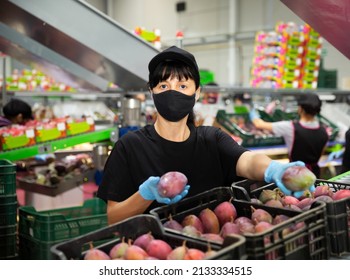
183,86
163,86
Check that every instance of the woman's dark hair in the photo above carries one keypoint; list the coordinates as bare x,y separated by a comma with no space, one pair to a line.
311,109
15,107
310,103
167,69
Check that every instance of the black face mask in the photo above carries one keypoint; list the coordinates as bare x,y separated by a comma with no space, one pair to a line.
173,105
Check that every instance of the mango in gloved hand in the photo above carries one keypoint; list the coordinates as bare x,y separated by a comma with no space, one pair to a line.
298,178
152,189
171,184
276,171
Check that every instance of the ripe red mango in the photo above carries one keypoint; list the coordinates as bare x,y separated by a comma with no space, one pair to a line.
341,194
298,178
209,221
171,184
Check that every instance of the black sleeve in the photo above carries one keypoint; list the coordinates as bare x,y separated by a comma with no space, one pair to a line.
116,182
230,152
346,155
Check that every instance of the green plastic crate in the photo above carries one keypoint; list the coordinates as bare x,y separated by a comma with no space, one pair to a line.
249,139
61,224
265,116
7,177
279,115
342,178
8,214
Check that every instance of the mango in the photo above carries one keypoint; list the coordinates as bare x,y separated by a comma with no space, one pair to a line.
194,254
96,254
118,250
173,224
210,221
143,240
178,253
340,194
225,212
159,249
171,184
193,220
260,215
298,178
134,252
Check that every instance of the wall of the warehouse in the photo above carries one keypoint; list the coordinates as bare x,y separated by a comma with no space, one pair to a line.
205,19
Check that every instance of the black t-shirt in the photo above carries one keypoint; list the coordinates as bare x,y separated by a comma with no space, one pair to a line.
208,158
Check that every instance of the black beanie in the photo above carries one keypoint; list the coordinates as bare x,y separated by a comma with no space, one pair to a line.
175,54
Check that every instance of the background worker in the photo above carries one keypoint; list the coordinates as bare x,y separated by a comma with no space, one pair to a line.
16,111
305,137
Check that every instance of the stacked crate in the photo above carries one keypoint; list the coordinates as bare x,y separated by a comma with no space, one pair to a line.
288,57
312,59
38,231
8,210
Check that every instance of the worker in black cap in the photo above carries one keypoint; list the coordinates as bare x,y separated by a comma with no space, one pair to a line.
305,138
16,111
206,155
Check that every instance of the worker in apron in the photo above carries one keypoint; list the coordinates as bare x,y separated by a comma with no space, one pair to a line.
305,137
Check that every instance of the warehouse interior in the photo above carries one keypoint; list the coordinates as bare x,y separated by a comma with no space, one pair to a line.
82,66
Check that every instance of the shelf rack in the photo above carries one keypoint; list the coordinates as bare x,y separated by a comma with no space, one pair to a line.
54,145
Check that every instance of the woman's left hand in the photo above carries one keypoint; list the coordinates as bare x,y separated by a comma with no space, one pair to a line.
149,191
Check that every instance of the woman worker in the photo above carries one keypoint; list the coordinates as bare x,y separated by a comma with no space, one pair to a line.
305,138
16,111
206,155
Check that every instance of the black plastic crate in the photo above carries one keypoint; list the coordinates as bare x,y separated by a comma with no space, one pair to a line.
11,229
338,216
33,249
308,242
8,246
105,238
338,212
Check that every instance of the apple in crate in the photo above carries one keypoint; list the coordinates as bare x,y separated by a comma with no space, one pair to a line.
171,184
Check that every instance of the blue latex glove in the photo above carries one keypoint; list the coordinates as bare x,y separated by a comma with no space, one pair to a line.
254,114
334,155
274,173
148,190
